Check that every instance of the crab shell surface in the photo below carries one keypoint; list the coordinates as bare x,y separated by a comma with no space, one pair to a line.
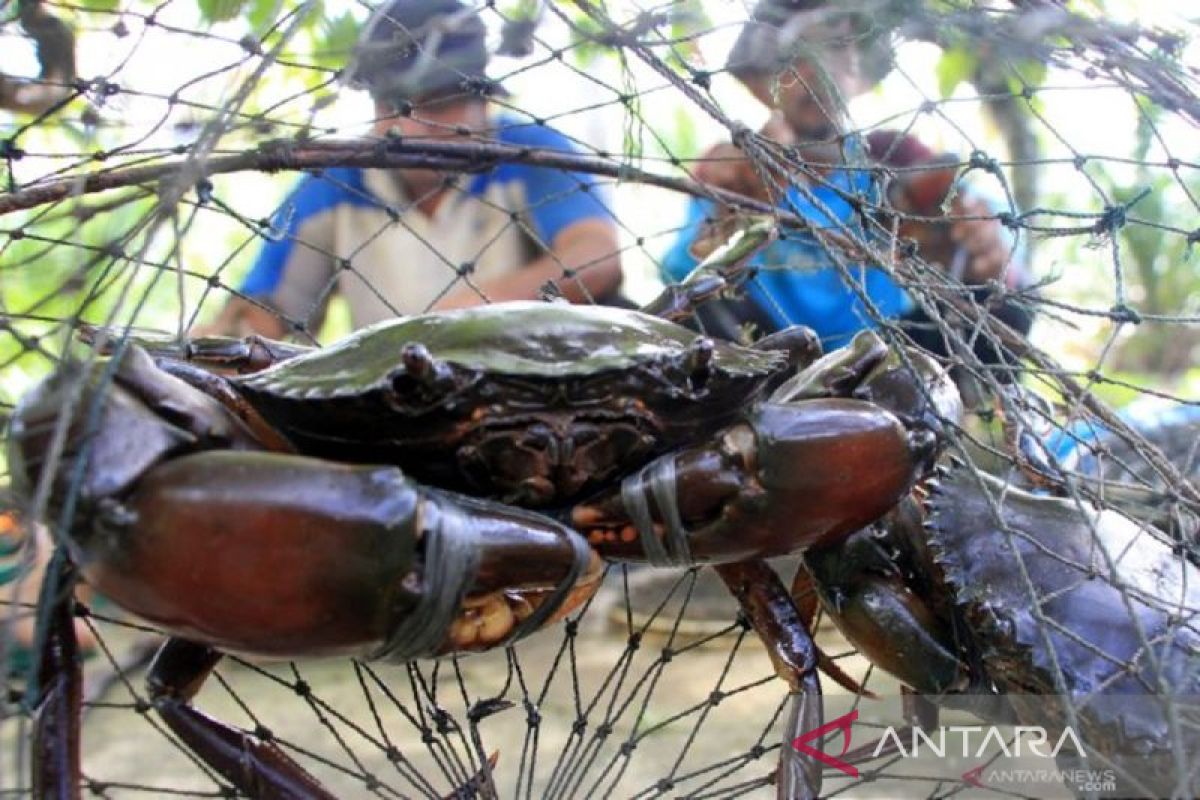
1084,616
530,403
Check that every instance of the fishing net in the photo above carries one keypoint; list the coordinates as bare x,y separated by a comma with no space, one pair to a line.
150,155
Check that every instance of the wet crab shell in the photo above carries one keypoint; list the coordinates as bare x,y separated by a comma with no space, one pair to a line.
1105,624
534,403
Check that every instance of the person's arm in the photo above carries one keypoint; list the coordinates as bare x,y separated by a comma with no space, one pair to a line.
568,214
987,252
292,270
583,263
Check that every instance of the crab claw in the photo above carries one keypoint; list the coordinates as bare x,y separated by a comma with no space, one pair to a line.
907,382
833,450
791,477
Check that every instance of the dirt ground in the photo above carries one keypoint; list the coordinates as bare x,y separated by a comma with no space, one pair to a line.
613,720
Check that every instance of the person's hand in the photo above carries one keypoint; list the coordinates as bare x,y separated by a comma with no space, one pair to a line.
981,239
726,167
19,597
970,243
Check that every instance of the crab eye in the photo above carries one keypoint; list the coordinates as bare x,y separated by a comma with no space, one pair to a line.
418,363
697,360
421,378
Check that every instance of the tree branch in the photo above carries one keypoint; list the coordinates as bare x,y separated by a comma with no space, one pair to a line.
450,156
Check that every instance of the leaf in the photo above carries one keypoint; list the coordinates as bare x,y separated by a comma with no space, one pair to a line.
683,144
219,10
688,18
1034,72
954,67
261,14
101,5
337,40
588,39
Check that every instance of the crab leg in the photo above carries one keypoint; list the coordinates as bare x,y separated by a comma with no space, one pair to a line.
247,354
255,766
724,269
60,686
775,618
863,586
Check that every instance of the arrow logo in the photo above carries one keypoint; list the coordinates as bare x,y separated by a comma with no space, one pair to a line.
971,776
842,723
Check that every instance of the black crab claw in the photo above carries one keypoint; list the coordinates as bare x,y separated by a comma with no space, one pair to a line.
909,383
801,343
836,374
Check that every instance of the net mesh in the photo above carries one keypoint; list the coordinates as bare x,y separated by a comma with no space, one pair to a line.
151,152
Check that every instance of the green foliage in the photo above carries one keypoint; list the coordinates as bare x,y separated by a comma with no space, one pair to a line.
683,142
1159,266
688,21
336,40
585,41
101,5
219,10
956,65
262,13
68,270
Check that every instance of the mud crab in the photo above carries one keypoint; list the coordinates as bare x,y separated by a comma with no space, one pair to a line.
449,483
1033,610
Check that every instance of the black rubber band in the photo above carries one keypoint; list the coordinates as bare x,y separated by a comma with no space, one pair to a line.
633,497
582,558
451,564
659,477
663,486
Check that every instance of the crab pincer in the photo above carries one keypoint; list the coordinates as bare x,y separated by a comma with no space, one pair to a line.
832,449
196,526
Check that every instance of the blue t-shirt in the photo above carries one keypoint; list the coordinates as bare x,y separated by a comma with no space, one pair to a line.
1081,446
343,219
798,282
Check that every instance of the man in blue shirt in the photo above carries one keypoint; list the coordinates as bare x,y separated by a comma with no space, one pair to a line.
803,58
403,241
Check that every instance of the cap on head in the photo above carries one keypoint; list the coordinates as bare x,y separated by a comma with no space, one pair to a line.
780,31
413,50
